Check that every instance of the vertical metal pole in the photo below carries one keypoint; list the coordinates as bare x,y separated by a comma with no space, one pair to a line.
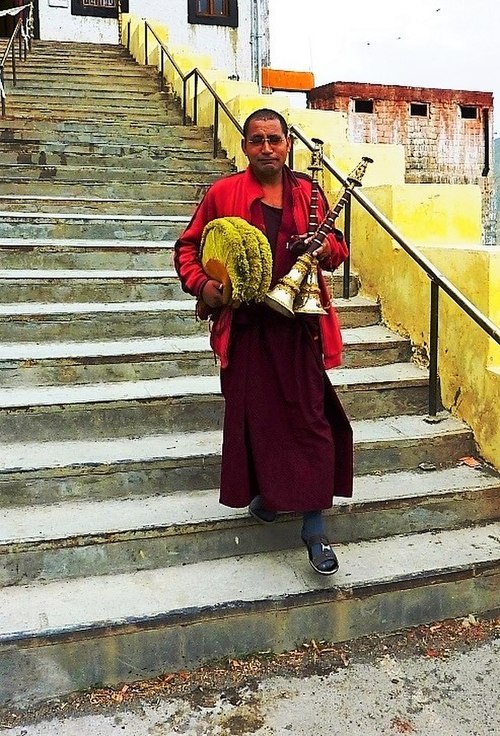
30,26
14,75
2,80
26,36
184,101
346,281
290,153
128,36
433,349
145,43
195,99
216,129
162,70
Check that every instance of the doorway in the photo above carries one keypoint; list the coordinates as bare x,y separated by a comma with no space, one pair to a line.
8,22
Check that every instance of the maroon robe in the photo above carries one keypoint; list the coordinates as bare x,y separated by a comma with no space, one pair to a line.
286,435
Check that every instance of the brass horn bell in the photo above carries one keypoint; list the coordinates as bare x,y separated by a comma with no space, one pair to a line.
290,296
308,300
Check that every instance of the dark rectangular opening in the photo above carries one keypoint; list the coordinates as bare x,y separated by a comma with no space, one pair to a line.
213,12
419,109
469,112
363,105
96,8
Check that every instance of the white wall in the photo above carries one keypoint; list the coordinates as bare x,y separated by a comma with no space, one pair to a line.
229,48
57,24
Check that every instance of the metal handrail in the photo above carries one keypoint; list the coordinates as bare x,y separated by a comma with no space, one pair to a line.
437,280
23,31
197,76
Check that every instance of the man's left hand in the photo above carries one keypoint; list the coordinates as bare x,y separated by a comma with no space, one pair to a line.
322,252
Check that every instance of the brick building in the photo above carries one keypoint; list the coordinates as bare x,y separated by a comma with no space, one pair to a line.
447,134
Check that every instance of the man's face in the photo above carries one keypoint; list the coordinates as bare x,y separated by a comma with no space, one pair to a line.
266,148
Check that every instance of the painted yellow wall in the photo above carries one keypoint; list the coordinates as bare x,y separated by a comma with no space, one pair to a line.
442,221
470,383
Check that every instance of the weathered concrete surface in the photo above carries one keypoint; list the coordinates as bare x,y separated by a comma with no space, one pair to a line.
457,696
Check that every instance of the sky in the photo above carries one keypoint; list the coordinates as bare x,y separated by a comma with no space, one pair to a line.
451,44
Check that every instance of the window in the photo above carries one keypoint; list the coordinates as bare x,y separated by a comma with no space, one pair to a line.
213,12
98,8
468,112
363,105
419,109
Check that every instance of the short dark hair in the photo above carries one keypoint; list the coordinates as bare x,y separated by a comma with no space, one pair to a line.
265,114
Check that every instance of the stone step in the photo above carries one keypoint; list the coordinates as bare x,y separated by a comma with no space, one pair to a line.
100,226
80,53
78,50
147,465
46,66
98,106
34,364
30,253
76,539
124,627
64,285
44,73
38,204
89,117
24,108
57,153
90,72
97,321
183,185
101,171
116,132
40,322
53,62
74,96
184,403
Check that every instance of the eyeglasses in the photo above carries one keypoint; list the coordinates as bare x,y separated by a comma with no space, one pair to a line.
259,140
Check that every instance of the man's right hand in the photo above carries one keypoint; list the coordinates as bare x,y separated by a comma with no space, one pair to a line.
211,294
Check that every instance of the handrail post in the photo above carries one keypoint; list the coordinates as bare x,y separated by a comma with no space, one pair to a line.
145,43
184,101
2,90
162,70
433,348
128,35
14,75
26,41
216,129
291,152
195,99
346,279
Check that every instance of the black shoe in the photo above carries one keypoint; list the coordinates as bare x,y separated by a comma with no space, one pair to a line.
259,513
322,558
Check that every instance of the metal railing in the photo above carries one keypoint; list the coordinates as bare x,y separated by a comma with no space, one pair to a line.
197,77
23,33
438,282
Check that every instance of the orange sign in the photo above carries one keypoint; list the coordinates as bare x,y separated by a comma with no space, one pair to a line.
287,81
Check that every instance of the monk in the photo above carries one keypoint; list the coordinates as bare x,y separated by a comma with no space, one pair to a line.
287,443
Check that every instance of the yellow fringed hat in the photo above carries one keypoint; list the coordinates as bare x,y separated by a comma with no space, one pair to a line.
239,256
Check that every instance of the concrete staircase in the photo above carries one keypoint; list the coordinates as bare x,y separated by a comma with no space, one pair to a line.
116,560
